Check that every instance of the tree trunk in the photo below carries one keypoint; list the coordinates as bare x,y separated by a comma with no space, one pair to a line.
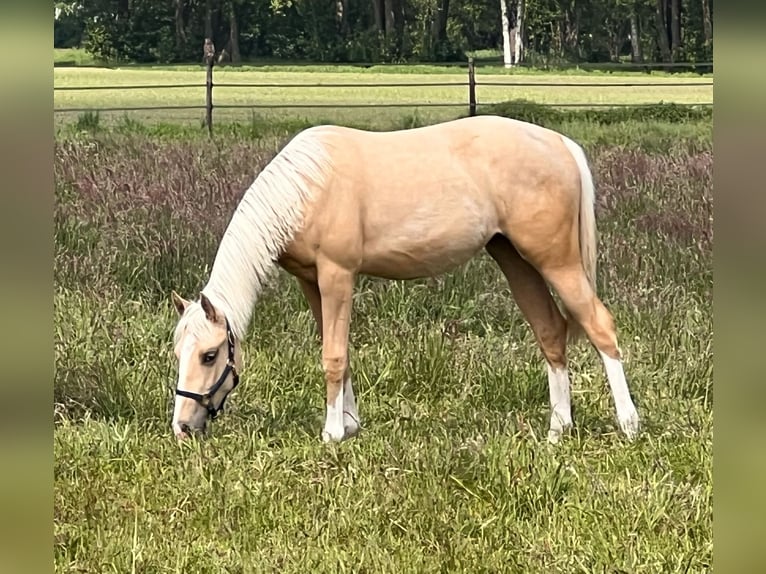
506,24
707,23
341,16
209,19
572,31
636,53
180,29
439,24
394,20
675,29
378,9
236,58
555,37
662,30
388,9
618,40
398,6
516,16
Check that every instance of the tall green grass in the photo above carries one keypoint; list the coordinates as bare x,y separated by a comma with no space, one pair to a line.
452,471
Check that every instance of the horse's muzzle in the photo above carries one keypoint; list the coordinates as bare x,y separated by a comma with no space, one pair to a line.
184,431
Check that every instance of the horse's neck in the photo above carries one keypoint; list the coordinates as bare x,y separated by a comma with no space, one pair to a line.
263,224
242,267
236,293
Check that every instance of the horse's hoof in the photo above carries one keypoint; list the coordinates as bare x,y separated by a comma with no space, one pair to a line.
350,427
630,425
555,434
329,437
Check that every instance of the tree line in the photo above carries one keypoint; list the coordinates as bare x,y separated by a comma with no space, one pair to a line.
528,31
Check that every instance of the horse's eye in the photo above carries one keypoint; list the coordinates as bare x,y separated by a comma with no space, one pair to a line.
208,358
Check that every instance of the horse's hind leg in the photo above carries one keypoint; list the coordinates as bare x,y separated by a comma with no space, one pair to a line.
548,325
581,301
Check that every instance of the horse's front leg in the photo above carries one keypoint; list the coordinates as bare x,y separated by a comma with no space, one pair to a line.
336,286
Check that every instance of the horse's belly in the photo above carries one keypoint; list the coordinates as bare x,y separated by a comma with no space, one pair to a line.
415,247
413,264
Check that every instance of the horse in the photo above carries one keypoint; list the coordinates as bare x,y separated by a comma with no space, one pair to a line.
337,202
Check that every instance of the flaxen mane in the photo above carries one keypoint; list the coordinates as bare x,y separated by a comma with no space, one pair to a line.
265,221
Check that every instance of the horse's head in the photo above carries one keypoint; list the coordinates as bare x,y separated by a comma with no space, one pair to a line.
208,361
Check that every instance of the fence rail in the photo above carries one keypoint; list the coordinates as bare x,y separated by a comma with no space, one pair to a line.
393,85
471,84
288,106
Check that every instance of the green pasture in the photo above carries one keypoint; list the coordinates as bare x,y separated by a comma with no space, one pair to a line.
407,94
452,471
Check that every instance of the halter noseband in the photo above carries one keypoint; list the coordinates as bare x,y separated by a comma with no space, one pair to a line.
206,400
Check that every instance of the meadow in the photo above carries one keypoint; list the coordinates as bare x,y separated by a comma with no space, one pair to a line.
564,87
452,471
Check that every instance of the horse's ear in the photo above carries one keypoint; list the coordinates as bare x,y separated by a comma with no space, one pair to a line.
179,302
208,308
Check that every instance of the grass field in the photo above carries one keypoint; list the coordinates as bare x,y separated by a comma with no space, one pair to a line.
452,472
551,92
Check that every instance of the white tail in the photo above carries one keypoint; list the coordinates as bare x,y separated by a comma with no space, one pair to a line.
587,221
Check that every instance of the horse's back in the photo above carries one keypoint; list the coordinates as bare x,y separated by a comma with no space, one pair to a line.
469,156
464,135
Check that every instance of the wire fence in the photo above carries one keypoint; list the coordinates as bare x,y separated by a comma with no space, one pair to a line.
470,85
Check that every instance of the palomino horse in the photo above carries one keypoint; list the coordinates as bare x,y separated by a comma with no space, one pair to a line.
337,202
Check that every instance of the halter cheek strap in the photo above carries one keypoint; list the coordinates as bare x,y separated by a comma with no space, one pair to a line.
206,400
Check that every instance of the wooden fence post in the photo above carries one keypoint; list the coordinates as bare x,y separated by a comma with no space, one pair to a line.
209,59
471,88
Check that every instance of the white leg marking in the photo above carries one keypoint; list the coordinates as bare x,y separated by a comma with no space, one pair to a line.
333,424
561,404
350,414
627,416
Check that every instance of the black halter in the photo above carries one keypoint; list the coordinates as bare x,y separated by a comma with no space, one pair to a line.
206,400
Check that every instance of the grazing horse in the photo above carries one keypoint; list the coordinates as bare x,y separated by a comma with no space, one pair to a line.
337,202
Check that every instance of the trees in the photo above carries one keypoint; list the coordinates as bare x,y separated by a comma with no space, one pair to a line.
68,24
390,30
